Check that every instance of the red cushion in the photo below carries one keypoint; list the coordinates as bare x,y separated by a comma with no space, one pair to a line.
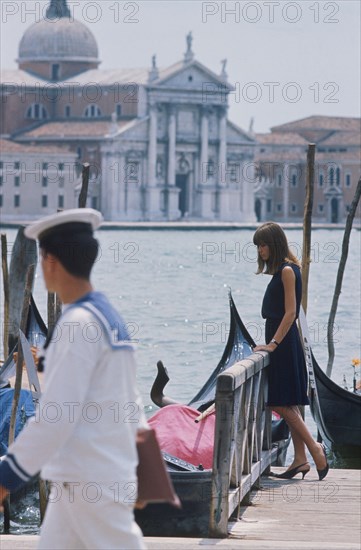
180,436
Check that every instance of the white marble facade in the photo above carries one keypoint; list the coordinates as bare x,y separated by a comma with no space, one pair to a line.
183,159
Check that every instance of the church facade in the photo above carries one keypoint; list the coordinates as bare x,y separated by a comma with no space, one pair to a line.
183,158
159,141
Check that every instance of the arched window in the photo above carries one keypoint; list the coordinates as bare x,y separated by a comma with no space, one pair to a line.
331,176
92,111
37,111
338,176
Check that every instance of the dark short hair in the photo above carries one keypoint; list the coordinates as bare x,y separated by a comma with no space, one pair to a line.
74,245
272,234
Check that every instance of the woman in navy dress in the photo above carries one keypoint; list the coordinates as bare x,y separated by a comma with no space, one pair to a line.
287,381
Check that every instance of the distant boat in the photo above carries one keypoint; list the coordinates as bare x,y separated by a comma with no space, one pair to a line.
336,411
192,477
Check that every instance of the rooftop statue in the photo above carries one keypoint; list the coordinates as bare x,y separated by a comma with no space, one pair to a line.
188,56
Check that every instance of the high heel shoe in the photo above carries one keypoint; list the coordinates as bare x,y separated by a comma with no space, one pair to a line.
323,473
289,474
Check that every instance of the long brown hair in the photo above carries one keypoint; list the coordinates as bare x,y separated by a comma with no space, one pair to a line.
273,236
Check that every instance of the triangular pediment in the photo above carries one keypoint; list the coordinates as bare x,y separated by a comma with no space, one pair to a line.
192,76
235,134
135,130
333,191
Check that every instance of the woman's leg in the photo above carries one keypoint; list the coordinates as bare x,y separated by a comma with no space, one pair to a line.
300,456
302,434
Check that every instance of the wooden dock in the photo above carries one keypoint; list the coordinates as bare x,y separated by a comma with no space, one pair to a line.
282,515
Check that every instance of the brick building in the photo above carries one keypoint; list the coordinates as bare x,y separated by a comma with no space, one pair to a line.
281,166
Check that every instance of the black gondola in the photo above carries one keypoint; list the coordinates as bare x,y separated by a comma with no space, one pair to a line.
36,333
336,411
341,413
192,484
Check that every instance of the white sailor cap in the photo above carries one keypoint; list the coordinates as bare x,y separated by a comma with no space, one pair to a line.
75,219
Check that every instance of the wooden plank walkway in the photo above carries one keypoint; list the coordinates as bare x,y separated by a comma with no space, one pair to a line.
283,515
298,514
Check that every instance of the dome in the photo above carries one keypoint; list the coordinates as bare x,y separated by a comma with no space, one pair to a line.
63,39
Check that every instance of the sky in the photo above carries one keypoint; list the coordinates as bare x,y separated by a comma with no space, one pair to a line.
287,60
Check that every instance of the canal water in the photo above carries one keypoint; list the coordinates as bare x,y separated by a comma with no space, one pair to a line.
171,287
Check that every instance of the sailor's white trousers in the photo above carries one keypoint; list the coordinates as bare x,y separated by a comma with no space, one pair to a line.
84,516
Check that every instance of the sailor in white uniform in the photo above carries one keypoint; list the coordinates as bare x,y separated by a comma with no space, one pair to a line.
83,436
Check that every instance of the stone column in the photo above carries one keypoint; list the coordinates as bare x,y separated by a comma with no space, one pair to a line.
263,210
248,183
107,185
171,145
222,151
119,202
204,146
152,147
142,189
112,185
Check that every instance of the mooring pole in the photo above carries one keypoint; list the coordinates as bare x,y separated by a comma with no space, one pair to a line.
84,186
307,223
19,364
5,270
339,278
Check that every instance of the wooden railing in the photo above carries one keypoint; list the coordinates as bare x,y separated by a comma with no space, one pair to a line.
242,445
